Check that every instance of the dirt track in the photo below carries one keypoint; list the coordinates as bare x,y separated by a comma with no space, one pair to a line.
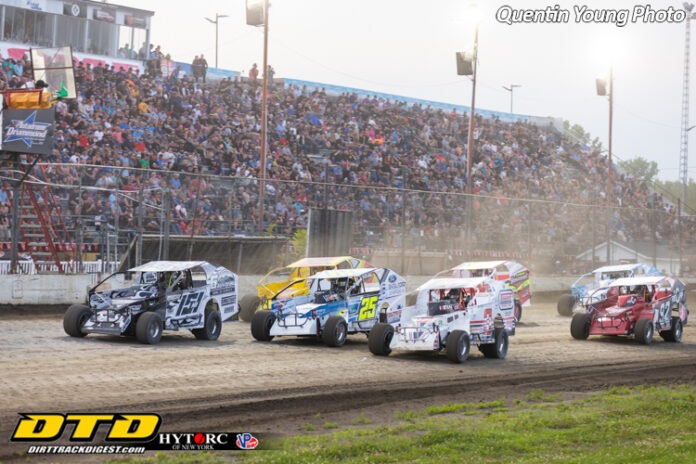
237,383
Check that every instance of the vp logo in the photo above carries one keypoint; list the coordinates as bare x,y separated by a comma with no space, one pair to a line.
247,441
122,427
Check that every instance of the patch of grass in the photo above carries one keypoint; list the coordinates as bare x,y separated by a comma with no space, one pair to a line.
309,427
466,407
331,425
361,419
539,395
176,458
409,416
616,426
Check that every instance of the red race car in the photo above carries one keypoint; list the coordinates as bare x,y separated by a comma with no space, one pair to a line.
636,305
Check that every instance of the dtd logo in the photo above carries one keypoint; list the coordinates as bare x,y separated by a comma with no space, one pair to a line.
122,427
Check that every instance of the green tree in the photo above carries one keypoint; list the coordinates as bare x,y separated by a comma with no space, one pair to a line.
673,189
577,132
640,168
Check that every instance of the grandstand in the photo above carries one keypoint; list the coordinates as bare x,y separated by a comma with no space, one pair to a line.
146,150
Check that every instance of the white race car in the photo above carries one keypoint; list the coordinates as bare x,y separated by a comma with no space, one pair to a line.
454,314
160,295
514,274
339,302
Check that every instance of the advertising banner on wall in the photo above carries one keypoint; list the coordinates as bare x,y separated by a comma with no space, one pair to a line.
28,131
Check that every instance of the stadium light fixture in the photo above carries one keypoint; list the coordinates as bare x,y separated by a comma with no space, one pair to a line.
216,21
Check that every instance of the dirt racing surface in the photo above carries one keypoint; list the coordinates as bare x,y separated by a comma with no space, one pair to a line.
239,384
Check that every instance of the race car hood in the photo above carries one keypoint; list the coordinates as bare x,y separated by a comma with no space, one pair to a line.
303,309
116,303
625,303
615,311
320,309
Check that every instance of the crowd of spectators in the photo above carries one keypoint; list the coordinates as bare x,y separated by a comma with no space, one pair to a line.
190,149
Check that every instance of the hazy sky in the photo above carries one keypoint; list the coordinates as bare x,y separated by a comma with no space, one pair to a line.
407,47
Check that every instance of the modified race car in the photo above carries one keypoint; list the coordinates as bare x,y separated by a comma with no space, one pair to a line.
637,306
453,314
295,273
585,289
514,274
157,296
339,302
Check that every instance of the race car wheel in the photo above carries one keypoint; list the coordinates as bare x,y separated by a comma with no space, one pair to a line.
498,349
335,331
261,325
148,329
675,333
580,326
458,346
247,307
379,339
518,311
565,305
644,331
74,319
212,328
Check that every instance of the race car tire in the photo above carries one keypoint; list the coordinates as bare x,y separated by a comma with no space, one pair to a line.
148,329
644,331
75,317
261,325
675,333
212,326
458,346
335,331
498,349
580,326
518,311
247,307
379,339
565,305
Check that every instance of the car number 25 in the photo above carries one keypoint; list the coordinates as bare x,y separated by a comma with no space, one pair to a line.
367,308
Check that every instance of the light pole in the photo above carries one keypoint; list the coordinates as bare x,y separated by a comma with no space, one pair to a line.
470,141
511,89
602,91
467,66
684,146
217,20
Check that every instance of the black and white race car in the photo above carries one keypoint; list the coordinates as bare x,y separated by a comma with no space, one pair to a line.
160,295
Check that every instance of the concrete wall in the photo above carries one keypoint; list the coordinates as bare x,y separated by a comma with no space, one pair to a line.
44,289
64,290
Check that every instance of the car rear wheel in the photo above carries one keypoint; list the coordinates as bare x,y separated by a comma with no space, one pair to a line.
580,326
247,307
499,348
379,339
335,331
565,305
675,333
261,325
148,329
212,328
458,346
644,331
75,317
